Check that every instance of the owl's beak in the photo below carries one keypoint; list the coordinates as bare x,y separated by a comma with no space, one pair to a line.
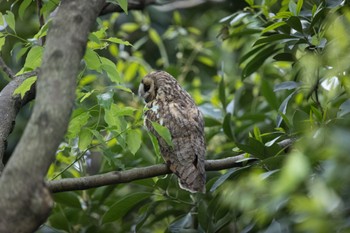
141,91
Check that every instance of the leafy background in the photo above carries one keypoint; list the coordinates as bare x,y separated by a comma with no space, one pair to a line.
260,71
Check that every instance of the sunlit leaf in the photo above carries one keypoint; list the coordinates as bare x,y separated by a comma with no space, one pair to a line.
92,60
79,119
274,26
105,99
2,40
24,5
110,68
163,132
119,41
34,57
10,20
154,36
133,139
85,138
25,86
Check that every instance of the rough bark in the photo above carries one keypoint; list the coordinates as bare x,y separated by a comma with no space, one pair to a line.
70,184
117,177
9,107
25,201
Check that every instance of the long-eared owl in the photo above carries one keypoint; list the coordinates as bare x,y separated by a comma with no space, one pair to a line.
168,104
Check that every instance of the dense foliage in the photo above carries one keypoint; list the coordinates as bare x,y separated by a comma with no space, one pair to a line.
271,71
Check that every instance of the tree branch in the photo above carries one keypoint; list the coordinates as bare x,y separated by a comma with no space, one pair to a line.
6,69
25,201
9,107
117,177
132,5
112,178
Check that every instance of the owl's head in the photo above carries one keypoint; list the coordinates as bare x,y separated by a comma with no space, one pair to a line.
156,83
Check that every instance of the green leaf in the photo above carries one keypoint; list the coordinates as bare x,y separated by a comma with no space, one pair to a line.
119,87
34,58
92,60
105,100
283,108
133,140
227,126
25,86
155,144
181,224
257,134
85,138
119,41
24,5
299,6
269,94
3,23
43,30
68,199
344,109
258,60
79,119
273,26
284,57
295,23
275,38
123,206
223,178
292,7
154,36
110,68
222,94
124,5
86,95
163,132
288,85
10,20
2,40
254,147
114,117
21,52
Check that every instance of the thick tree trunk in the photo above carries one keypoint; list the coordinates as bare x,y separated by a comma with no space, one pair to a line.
25,201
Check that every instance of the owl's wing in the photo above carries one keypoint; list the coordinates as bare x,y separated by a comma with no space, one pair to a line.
187,157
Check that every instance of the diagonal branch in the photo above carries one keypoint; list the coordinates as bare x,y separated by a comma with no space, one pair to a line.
6,69
9,107
110,178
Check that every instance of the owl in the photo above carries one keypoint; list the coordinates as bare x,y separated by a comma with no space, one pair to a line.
168,104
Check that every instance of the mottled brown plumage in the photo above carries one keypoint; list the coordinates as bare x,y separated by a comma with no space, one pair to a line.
168,104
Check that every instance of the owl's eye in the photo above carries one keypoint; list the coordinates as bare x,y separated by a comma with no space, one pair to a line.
146,87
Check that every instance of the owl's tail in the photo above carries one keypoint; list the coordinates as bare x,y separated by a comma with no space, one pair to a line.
191,178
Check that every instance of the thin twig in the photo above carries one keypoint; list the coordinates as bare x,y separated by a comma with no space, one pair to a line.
39,5
6,69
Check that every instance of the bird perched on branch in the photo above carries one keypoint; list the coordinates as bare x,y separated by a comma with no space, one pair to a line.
169,105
